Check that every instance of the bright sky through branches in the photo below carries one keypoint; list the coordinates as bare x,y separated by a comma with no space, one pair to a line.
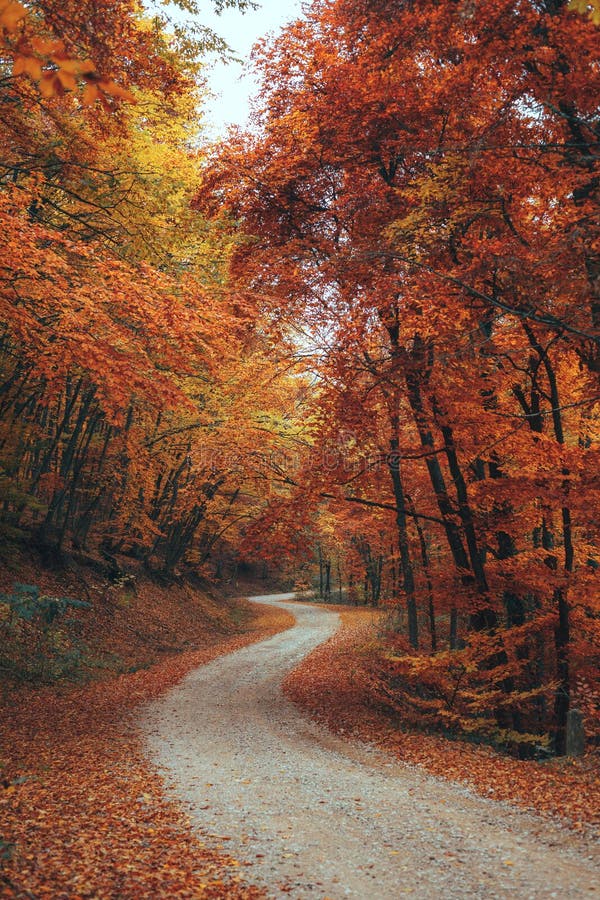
232,84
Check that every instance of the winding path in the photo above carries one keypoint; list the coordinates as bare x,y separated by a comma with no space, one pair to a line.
323,818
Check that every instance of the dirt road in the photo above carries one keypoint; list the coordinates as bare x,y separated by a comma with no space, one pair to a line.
318,817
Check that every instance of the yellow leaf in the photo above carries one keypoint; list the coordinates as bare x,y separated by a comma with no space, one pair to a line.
591,8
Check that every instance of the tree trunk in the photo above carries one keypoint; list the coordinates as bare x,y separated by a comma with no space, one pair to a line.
403,541
562,633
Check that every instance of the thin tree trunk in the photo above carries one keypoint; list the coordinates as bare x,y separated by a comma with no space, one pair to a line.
425,563
403,541
562,633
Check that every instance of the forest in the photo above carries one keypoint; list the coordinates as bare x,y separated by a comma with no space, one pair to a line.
350,351
354,347
420,203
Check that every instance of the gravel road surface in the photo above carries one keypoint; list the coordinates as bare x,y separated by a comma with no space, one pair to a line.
319,817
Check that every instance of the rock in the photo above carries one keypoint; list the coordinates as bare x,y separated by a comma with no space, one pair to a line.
575,733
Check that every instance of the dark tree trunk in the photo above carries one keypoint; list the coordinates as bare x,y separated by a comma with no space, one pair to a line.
403,541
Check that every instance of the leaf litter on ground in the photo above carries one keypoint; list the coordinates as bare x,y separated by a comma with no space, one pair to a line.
83,814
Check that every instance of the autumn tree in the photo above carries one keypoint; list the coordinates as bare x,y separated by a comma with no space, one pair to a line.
421,190
129,375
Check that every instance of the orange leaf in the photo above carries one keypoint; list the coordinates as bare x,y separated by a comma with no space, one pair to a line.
11,15
90,94
66,79
28,65
48,86
115,90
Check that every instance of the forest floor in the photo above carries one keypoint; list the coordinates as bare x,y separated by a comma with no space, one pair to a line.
82,813
325,816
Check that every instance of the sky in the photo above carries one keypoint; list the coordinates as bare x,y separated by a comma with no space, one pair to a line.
232,83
